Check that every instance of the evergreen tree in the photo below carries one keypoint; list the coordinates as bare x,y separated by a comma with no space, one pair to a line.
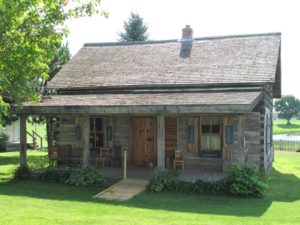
135,29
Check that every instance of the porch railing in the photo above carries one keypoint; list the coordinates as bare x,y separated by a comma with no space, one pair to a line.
34,137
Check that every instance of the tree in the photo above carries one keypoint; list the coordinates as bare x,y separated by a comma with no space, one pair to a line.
135,29
288,107
30,30
62,55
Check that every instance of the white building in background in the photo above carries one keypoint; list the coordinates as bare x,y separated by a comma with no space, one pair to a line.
13,130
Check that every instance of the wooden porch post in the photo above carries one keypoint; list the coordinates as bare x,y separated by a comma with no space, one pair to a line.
161,141
86,140
23,140
49,126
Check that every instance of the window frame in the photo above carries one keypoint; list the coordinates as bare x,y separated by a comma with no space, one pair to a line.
220,134
94,134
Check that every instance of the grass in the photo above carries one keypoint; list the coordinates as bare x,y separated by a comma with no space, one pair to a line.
28,202
280,127
40,129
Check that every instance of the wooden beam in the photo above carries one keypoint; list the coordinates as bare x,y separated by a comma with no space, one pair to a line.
23,141
158,109
161,141
86,140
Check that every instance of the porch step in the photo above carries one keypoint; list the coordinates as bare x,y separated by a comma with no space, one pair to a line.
196,162
32,146
12,146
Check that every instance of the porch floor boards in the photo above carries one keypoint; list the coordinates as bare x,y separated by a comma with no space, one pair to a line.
189,174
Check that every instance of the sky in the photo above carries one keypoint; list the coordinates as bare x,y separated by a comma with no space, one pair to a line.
166,18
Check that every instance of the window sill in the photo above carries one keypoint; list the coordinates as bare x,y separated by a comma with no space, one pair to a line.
210,154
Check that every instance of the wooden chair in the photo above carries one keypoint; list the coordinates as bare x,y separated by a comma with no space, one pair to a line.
104,157
63,154
179,160
52,155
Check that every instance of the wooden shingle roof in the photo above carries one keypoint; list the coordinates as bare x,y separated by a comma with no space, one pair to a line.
222,61
210,102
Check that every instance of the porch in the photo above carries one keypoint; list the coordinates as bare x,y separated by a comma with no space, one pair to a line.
210,138
145,173
208,169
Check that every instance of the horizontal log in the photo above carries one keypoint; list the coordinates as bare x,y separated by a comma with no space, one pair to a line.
138,109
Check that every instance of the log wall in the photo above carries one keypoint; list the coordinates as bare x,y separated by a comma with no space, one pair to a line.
249,136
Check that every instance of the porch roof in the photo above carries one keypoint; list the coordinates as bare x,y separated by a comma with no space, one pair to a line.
205,102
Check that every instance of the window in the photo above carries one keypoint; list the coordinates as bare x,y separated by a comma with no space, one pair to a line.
96,132
210,134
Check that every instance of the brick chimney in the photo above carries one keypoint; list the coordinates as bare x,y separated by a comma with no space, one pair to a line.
187,33
186,42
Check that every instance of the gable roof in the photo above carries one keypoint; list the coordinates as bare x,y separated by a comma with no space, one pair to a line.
220,61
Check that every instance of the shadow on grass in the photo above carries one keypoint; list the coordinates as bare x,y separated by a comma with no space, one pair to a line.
289,126
283,188
14,160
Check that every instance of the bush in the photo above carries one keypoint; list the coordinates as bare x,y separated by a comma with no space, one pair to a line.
3,136
241,180
209,187
82,176
162,180
245,181
22,173
39,162
58,176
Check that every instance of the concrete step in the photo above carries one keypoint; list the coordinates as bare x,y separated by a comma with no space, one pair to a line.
123,190
12,146
15,146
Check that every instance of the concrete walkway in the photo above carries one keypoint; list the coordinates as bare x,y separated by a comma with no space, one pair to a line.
123,190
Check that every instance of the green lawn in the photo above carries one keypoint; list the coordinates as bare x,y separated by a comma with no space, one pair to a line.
280,127
28,202
40,129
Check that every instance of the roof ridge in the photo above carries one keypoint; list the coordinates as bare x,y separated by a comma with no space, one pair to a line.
103,44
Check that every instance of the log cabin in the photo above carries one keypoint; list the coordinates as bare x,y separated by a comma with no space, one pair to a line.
211,97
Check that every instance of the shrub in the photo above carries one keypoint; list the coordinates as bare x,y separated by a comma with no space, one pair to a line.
22,173
82,176
245,181
58,176
242,180
39,162
184,186
3,136
162,180
209,187
167,180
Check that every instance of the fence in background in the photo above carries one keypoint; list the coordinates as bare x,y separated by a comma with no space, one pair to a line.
287,145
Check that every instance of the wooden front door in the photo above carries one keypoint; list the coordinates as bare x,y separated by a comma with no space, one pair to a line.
143,141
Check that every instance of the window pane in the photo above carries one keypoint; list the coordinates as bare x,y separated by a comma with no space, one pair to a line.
205,126
92,141
205,121
215,126
98,124
205,129
215,142
205,142
92,128
99,140
215,129
215,121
